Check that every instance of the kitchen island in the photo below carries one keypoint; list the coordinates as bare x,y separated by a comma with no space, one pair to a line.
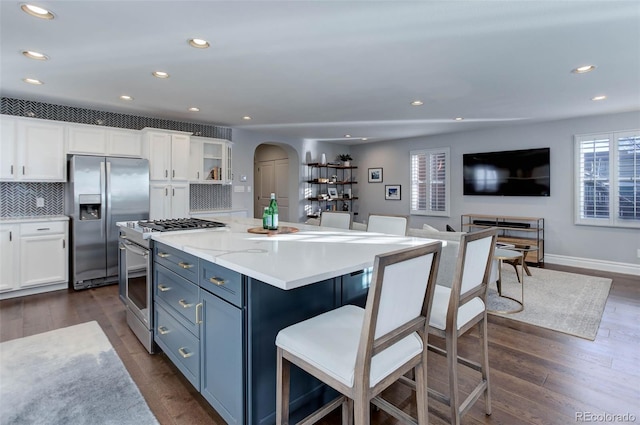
221,296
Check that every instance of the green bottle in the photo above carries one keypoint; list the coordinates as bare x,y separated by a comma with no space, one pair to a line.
273,207
266,218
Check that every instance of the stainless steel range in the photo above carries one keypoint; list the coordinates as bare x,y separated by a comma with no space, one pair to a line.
135,269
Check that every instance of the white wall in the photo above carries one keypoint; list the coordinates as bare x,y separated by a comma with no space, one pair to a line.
565,242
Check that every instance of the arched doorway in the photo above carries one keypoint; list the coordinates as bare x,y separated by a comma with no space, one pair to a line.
272,174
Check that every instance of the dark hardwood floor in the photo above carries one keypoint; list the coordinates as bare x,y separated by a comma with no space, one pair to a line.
538,376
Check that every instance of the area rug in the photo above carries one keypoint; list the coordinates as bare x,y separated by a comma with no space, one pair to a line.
564,302
68,376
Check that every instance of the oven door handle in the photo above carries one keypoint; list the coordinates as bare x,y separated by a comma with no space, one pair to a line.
134,248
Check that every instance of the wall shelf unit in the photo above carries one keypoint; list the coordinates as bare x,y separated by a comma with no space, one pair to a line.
526,233
324,178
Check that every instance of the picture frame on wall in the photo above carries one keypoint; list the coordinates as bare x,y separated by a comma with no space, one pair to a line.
375,175
392,192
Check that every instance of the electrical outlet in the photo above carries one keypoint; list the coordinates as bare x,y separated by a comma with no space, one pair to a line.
238,188
39,202
248,188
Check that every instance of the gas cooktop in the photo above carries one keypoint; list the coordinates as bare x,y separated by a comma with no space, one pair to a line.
178,224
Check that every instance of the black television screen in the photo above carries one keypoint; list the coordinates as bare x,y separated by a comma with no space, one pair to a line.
507,173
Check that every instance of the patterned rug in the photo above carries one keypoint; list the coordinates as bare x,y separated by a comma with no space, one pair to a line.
564,302
68,376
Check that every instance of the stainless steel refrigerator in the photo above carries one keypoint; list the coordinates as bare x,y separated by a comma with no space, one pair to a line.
102,191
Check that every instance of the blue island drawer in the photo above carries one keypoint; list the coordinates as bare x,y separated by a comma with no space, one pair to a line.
186,265
177,295
222,282
178,344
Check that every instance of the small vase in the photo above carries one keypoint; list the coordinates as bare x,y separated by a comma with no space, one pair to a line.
346,163
323,159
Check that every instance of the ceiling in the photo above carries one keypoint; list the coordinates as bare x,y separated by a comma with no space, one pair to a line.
319,70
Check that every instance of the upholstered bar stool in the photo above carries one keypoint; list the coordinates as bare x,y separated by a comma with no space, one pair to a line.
360,352
337,219
456,310
389,224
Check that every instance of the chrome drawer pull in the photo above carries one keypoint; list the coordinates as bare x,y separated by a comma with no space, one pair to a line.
185,265
163,288
184,304
184,353
217,281
163,254
162,330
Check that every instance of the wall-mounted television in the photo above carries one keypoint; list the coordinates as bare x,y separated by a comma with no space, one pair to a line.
507,173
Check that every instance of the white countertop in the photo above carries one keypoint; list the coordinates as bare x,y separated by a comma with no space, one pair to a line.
33,219
286,261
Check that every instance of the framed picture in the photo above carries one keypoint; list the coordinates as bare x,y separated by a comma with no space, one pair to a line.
333,192
392,192
375,175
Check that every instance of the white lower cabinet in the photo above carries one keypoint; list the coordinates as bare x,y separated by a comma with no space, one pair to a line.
34,257
168,201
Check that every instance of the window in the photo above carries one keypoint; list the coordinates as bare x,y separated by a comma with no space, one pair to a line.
608,179
430,182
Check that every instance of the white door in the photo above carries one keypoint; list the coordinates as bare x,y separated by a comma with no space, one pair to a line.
43,260
8,166
281,179
265,185
179,201
159,201
41,151
9,239
159,145
180,146
124,143
86,139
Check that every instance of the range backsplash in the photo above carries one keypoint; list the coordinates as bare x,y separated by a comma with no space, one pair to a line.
205,197
19,199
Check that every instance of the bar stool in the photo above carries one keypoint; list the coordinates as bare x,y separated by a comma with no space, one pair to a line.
360,352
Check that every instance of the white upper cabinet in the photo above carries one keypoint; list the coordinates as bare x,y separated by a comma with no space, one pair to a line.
168,154
32,150
94,140
210,160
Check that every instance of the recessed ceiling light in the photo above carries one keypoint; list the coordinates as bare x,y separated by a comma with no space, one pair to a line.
583,69
364,139
198,43
33,81
458,119
347,135
601,97
194,109
417,103
36,11
35,55
246,118
126,97
160,74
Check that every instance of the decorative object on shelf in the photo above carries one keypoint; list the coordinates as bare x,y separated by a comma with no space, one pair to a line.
345,158
323,159
334,178
375,175
333,193
392,192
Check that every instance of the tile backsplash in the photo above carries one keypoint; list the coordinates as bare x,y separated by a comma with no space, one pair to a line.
205,197
18,199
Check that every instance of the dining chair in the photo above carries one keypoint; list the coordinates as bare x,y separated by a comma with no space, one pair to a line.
337,219
456,310
390,224
360,352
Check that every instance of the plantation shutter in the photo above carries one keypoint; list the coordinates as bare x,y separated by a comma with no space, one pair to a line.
430,182
594,178
628,195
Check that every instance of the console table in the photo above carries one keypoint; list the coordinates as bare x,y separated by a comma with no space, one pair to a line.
524,233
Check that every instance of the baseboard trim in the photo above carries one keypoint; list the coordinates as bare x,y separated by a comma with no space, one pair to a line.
588,263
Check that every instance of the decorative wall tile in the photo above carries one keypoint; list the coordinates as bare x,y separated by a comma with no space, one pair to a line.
205,197
29,108
19,199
